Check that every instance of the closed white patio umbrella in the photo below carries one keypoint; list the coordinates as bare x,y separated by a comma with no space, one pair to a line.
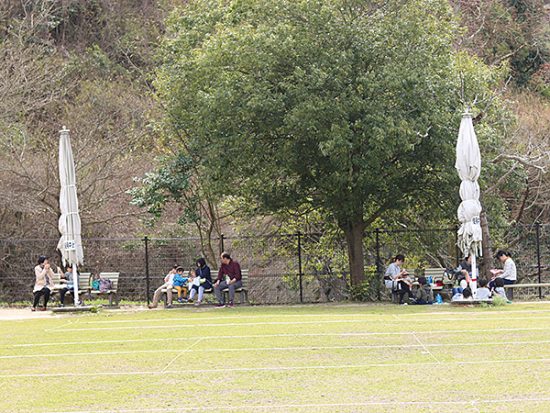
468,165
70,243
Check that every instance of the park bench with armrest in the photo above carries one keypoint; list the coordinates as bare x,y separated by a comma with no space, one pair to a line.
111,293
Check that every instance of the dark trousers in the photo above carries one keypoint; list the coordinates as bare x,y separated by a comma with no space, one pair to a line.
62,293
231,287
506,282
43,292
403,288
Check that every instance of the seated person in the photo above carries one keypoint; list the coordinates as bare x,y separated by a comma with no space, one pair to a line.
424,293
168,279
202,282
482,292
68,280
397,278
508,272
179,282
465,295
498,289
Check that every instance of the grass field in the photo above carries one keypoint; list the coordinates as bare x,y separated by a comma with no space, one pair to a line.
322,358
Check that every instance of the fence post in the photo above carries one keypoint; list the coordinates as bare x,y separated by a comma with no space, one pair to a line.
222,246
300,273
539,268
378,264
147,282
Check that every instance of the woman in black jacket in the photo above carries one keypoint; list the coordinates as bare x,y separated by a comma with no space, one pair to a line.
205,281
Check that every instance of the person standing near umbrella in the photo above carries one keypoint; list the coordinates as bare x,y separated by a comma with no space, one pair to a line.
43,284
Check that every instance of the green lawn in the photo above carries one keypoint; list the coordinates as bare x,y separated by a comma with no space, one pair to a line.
320,358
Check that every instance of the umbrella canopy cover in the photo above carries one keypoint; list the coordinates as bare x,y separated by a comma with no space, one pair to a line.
468,165
70,243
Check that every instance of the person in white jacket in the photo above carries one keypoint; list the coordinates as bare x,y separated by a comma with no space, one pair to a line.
168,284
43,284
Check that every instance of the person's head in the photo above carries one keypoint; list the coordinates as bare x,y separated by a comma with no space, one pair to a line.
179,270
499,282
468,259
482,283
226,258
463,283
422,280
503,255
399,259
467,293
192,272
201,262
43,260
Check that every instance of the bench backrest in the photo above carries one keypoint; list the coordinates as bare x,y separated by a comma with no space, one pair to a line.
434,272
113,276
84,281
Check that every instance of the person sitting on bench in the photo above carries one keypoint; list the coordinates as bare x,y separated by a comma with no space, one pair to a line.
43,285
508,272
229,276
168,284
398,279
68,279
204,281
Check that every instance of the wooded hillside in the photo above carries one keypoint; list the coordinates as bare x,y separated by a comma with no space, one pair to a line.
91,65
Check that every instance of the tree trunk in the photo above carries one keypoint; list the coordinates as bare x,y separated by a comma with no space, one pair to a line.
354,239
487,247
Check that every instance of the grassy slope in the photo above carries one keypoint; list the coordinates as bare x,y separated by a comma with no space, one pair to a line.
282,357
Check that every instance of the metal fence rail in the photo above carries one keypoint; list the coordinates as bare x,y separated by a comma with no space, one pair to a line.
283,268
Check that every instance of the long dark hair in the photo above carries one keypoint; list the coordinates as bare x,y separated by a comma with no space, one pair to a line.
201,262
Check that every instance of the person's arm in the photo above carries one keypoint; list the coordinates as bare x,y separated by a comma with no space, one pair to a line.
238,274
220,275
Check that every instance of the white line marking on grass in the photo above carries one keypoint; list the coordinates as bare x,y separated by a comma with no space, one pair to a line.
187,325
181,353
426,349
293,348
216,316
249,336
313,405
274,323
275,369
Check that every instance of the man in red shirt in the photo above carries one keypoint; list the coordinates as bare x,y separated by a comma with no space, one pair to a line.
229,276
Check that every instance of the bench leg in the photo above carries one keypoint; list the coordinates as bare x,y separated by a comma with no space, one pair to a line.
110,299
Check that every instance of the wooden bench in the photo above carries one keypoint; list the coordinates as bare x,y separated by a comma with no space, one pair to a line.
113,292
242,290
83,283
512,287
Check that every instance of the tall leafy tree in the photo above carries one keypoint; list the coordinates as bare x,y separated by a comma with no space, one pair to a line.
350,105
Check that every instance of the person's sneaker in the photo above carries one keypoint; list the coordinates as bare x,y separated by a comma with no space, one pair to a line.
33,309
197,303
42,309
168,306
180,300
220,305
151,306
404,304
230,304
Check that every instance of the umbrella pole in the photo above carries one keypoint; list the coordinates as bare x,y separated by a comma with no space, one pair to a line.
75,285
473,284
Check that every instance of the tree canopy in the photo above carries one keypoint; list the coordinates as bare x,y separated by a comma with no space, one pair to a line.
350,106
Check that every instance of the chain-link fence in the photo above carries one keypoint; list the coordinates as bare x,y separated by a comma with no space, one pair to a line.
283,268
